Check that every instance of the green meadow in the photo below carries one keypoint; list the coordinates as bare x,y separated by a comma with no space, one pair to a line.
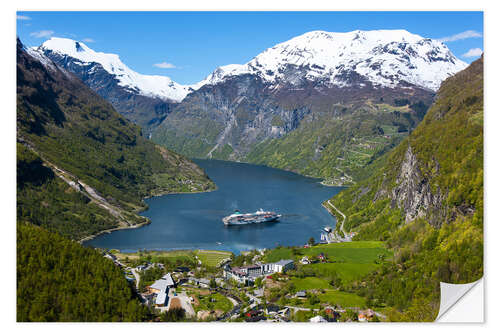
211,257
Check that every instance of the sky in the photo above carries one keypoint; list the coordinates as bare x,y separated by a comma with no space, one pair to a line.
187,46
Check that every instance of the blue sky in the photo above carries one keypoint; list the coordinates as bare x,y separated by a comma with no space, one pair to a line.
190,45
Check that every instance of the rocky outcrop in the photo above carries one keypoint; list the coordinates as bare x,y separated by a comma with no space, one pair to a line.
413,193
239,113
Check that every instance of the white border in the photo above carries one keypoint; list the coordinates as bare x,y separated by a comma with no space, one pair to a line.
7,131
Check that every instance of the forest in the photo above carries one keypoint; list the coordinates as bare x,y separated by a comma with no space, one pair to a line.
60,280
444,241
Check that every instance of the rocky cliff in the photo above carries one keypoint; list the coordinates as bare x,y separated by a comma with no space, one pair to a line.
425,199
413,194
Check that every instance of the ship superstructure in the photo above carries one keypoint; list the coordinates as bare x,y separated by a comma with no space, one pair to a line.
259,216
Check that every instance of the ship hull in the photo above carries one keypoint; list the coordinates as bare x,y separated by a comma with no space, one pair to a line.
258,217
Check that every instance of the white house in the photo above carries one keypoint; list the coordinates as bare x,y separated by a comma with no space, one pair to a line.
283,265
250,273
161,299
235,273
305,261
162,284
318,319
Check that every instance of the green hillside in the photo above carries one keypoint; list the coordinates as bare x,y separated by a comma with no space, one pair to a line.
46,200
85,142
335,148
426,202
81,169
60,280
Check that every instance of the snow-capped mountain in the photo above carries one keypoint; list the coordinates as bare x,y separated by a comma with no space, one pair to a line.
313,85
325,67
143,99
148,85
383,57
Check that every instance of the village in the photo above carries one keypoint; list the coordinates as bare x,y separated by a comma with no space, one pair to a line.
218,286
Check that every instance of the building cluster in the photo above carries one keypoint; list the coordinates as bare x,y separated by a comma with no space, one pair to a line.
331,315
251,272
271,312
201,282
160,289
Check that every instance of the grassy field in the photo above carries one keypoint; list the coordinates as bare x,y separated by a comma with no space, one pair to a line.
279,253
205,300
309,283
184,256
212,258
346,271
331,297
355,252
350,260
342,298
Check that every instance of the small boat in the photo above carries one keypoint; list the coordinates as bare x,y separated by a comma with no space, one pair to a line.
327,229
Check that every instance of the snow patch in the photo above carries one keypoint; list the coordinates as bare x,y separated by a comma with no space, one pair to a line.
149,85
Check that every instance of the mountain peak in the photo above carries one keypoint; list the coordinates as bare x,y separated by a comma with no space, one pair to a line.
148,85
70,47
386,58
382,57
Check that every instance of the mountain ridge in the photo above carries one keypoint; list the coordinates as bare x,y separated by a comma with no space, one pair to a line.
330,55
88,156
156,86
240,112
425,199
321,104
316,49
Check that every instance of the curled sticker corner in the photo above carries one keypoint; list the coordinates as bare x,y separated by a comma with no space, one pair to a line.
451,294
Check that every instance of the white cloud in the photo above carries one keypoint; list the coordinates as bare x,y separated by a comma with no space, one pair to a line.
88,40
463,35
42,33
165,65
472,53
23,17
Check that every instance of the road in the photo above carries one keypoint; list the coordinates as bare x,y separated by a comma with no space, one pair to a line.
343,220
252,297
137,278
185,303
235,310
233,299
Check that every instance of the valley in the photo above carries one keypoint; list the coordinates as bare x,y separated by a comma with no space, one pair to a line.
302,105
123,180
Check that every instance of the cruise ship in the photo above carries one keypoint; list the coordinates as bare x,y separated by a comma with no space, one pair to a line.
259,216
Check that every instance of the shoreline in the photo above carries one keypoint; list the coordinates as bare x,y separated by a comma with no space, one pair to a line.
168,193
138,225
262,165
138,211
107,231
324,183
341,226
168,251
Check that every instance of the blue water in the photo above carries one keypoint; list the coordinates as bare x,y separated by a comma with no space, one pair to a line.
193,221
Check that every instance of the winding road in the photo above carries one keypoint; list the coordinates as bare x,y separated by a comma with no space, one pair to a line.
137,278
346,237
343,217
